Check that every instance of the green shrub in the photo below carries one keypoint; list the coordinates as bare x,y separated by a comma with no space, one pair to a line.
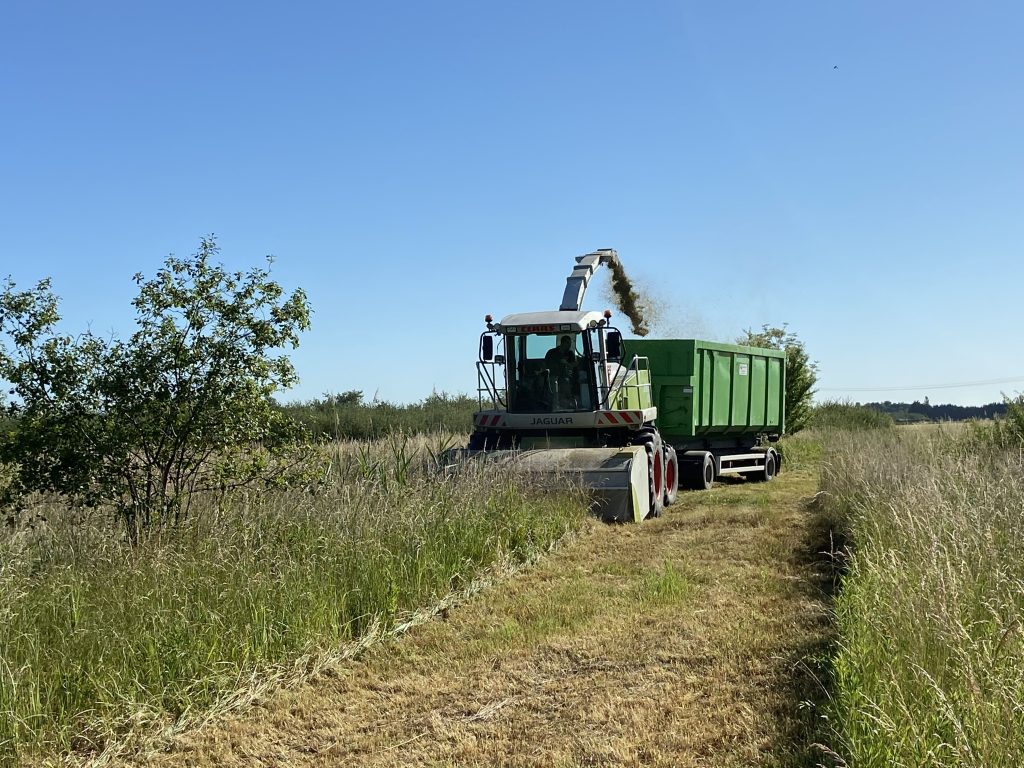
1002,433
181,407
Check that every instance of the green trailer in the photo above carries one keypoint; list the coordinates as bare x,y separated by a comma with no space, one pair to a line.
719,405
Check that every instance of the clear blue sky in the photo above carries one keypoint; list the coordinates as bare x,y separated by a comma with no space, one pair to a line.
855,169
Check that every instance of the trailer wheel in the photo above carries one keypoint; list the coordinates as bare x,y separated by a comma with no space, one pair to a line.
707,473
651,441
768,472
671,476
698,470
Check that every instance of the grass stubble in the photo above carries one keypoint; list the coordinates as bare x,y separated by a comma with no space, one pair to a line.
695,639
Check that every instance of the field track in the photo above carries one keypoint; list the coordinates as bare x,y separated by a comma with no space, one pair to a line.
687,641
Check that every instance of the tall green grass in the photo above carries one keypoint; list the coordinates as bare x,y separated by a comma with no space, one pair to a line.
930,663
836,414
340,417
804,449
95,634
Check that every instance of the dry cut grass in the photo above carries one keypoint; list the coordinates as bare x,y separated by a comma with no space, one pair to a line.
692,640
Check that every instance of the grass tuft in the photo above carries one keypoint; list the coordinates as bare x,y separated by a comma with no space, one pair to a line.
665,586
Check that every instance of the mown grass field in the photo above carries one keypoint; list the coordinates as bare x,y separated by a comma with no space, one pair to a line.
99,639
691,640
862,609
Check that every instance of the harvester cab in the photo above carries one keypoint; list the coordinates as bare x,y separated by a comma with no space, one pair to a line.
564,362
557,394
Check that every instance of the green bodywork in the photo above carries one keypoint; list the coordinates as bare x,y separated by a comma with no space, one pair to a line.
705,390
636,392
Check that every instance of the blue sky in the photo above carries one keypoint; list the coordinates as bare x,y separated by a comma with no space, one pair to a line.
853,169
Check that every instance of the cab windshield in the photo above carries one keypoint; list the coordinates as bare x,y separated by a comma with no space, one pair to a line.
550,373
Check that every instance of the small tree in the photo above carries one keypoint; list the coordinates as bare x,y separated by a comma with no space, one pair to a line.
185,405
349,397
801,373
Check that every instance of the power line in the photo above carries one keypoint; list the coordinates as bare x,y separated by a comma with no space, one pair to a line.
960,385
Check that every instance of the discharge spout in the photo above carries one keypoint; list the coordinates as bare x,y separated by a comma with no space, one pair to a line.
576,283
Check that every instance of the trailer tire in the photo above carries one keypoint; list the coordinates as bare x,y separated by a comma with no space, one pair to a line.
651,441
671,476
707,473
769,471
697,470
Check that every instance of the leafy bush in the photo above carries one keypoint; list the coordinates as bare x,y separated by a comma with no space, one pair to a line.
184,406
1005,432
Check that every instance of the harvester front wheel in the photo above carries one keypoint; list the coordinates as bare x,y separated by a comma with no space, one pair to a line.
651,441
671,476
490,441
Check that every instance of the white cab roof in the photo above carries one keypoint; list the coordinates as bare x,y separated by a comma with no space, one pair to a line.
549,322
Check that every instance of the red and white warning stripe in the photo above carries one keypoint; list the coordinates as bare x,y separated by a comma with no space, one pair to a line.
620,418
488,420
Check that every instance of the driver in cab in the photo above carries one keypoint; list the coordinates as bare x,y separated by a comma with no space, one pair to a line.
563,362
562,359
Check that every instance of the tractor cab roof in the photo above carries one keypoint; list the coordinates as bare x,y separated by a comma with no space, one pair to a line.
550,322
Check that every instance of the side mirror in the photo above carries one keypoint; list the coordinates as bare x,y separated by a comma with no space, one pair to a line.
487,348
613,343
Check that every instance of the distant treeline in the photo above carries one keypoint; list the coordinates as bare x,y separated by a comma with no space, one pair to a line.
348,416
903,413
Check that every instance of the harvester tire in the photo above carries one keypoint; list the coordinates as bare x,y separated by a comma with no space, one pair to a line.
671,476
490,441
651,441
